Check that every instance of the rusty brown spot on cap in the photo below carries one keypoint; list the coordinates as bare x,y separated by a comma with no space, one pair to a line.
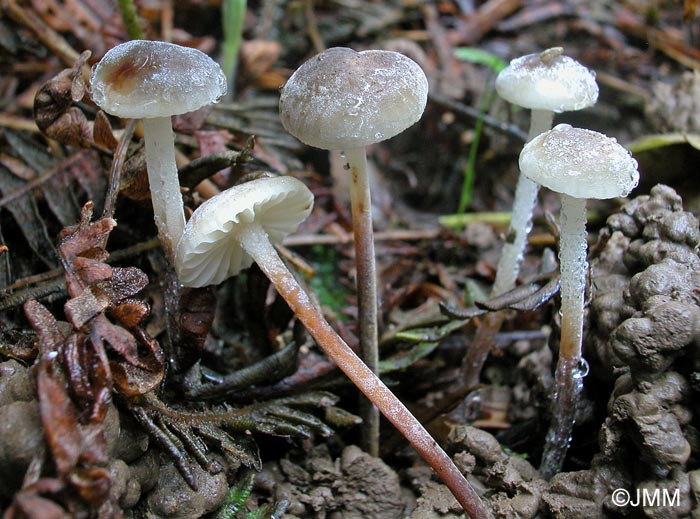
126,74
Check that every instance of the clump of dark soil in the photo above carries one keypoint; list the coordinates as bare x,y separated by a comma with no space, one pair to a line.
354,485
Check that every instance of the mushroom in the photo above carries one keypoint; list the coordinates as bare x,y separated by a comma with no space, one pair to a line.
547,83
578,164
153,80
345,100
240,225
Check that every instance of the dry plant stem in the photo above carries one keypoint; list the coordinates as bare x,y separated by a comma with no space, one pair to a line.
168,207
130,18
255,242
46,35
115,170
484,339
568,379
312,26
487,16
38,181
510,260
51,284
365,264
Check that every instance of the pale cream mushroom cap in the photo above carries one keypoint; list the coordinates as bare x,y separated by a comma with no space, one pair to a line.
579,163
548,81
342,99
208,252
144,79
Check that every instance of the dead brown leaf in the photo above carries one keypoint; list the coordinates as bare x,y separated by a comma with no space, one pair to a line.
54,112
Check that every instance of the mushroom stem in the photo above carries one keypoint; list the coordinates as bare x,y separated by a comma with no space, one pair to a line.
568,379
365,264
511,257
168,208
540,122
341,179
521,217
255,242
516,237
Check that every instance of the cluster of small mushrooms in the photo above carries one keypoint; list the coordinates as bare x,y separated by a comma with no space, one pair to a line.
387,92
545,83
344,100
578,164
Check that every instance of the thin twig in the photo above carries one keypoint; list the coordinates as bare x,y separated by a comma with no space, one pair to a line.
46,35
55,286
202,168
14,122
473,113
52,283
167,18
301,240
38,181
115,171
312,26
621,85
485,18
32,280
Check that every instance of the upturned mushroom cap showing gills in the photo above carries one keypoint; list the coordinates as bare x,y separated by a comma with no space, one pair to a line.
579,163
342,99
548,81
209,252
145,79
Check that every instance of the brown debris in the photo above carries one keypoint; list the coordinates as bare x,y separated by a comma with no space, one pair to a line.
355,485
676,107
54,112
173,498
74,374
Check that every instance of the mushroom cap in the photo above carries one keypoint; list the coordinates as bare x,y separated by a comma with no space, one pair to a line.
208,252
579,163
343,99
548,81
143,79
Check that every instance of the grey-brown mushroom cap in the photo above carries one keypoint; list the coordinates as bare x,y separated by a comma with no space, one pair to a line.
548,81
579,163
343,99
208,252
145,79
